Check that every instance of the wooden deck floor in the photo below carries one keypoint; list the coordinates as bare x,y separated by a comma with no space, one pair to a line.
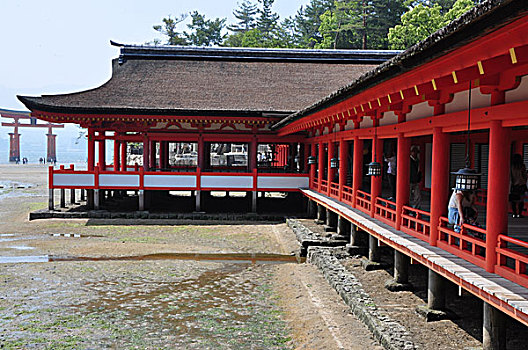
503,294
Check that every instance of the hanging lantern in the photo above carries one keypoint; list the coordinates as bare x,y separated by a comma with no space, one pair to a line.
334,163
466,179
312,160
374,169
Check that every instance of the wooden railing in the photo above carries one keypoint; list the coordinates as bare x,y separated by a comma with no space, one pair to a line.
510,263
348,195
469,243
334,190
416,223
363,201
323,186
385,210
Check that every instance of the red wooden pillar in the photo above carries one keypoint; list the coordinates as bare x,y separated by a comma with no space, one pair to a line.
498,186
313,169
91,149
116,154
123,155
320,164
201,152
51,152
304,157
163,154
357,171
375,182
343,166
102,151
253,150
402,176
330,170
14,146
146,152
439,181
152,158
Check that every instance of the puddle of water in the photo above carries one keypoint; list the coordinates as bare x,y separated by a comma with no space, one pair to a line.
21,247
226,258
24,259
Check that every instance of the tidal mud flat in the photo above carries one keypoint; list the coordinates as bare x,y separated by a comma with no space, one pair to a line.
102,302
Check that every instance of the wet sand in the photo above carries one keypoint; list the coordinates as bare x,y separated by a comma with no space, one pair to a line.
156,303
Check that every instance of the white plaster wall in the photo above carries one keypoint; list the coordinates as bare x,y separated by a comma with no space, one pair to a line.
519,94
349,125
460,101
389,118
174,181
419,111
227,181
366,123
73,179
119,180
282,182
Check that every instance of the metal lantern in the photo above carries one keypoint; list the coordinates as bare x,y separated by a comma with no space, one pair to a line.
466,179
334,163
312,160
374,169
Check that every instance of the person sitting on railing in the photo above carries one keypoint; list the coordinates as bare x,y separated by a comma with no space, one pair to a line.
518,179
462,209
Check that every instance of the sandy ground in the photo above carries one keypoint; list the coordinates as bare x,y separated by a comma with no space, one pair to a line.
163,303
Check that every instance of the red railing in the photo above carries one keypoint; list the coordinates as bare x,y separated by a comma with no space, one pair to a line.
348,195
334,190
469,243
510,263
385,210
323,186
315,184
416,223
363,201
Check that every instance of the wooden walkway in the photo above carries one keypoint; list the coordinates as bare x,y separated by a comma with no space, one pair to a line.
503,294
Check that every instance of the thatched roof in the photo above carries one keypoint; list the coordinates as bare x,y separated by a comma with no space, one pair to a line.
170,80
476,23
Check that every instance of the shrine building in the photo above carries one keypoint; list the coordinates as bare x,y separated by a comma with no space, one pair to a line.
321,124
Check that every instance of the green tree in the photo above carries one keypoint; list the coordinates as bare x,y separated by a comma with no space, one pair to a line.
267,19
422,21
205,32
308,21
246,15
168,28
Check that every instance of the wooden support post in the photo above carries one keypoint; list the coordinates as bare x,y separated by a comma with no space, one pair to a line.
402,176
90,199
493,329
146,152
62,198
141,200
374,251
343,226
331,221
51,200
83,198
498,187
439,181
435,291
401,273
321,214
357,172
97,199
72,195
198,201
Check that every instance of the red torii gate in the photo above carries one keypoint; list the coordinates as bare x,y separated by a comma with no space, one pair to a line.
14,137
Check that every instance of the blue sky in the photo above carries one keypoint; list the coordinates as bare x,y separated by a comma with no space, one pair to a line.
56,46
